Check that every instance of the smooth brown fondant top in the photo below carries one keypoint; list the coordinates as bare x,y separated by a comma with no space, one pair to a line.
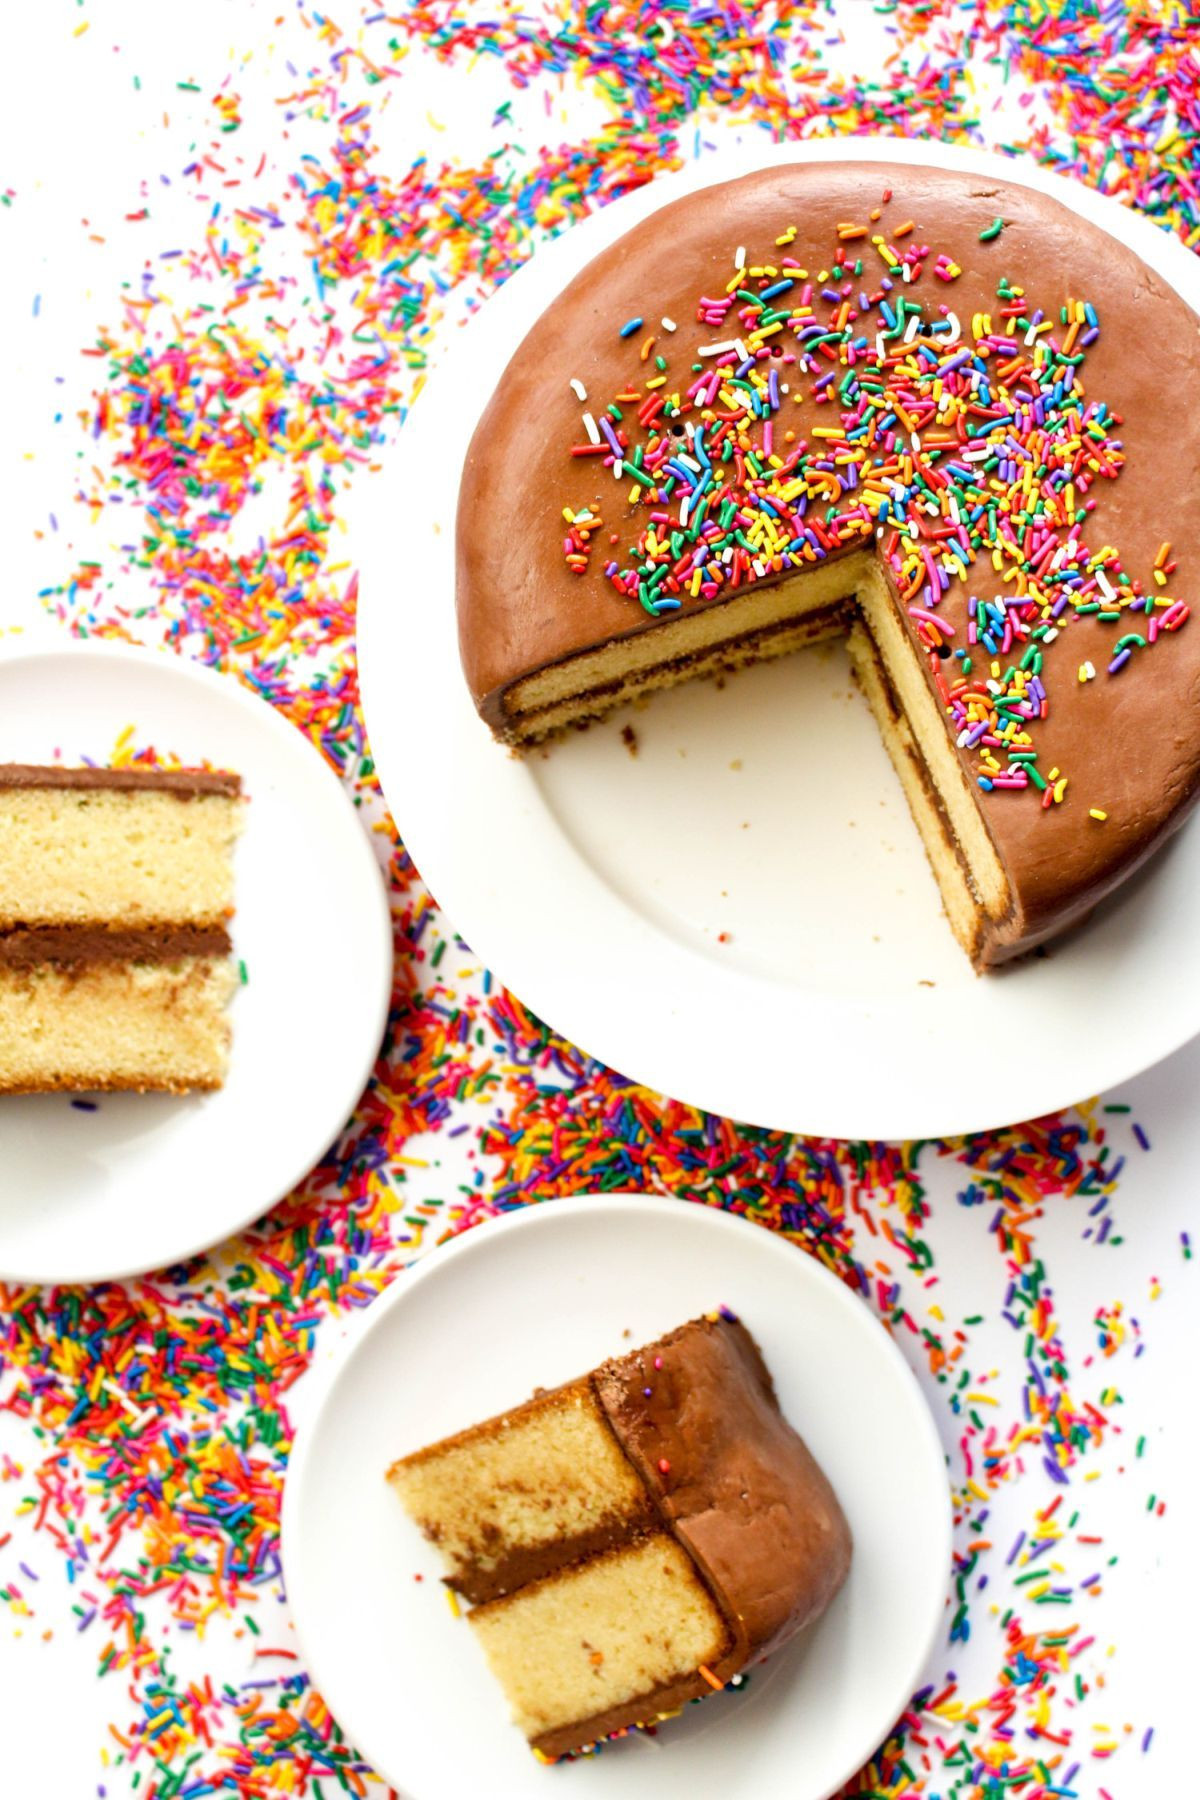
1130,744
186,783
739,1488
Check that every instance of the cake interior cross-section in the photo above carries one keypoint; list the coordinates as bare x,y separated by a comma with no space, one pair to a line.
116,895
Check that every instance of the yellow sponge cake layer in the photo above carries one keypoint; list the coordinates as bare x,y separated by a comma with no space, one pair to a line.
598,1637
80,847
115,1024
503,1499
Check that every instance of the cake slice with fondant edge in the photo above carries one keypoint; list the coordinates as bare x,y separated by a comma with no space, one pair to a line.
633,1539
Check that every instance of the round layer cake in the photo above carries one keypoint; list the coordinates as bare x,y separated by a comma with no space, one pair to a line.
946,419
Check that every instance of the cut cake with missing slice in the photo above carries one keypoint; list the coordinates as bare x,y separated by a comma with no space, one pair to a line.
116,891
633,1539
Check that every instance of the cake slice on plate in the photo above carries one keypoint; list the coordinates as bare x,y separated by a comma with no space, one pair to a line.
116,892
633,1539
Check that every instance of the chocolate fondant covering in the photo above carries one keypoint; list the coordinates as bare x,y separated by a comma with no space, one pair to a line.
1129,744
739,1490
187,784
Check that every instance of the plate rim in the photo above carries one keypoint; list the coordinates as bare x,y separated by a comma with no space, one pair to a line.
840,1108
476,1240
45,646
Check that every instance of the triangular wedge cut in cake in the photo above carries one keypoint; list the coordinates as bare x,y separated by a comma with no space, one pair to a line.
896,405
633,1539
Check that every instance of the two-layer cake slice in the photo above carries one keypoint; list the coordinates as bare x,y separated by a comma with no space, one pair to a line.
116,892
633,1539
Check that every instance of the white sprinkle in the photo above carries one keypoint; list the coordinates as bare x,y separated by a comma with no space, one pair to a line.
955,332
739,261
916,444
1049,636
619,469
668,324
880,344
577,388
719,349
1105,585
911,329
906,271
589,425
685,507
122,1399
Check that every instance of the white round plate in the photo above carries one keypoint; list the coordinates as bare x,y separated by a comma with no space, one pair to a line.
146,1180
742,916
532,1299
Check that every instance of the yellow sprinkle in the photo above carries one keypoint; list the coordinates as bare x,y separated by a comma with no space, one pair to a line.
455,1608
1095,813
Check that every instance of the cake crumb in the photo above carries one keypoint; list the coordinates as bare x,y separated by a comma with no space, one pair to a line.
736,763
629,739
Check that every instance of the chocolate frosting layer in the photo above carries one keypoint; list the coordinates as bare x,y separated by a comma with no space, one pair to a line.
26,946
188,784
738,1487
1130,744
